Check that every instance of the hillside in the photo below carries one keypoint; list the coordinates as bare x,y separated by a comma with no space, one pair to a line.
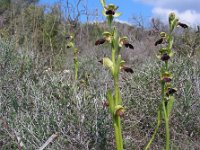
39,97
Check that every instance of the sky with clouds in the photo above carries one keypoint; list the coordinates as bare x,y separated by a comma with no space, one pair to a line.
188,11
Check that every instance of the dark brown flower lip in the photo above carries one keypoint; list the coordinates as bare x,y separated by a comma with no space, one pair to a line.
159,42
167,79
110,12
171,91
67,37
183,25
127,69
68,46
100,41
165,57
128,45
101,61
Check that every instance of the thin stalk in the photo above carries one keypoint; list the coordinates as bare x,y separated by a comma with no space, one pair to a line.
165,116
76,65
116,119
167,133
155,131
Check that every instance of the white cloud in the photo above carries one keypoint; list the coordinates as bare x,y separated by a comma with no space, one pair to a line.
122,21
190,17
188,11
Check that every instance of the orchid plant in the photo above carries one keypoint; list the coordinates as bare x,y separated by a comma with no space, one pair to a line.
166,77
114,65
71,44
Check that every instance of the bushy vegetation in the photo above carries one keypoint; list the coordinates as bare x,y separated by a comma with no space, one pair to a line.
39,97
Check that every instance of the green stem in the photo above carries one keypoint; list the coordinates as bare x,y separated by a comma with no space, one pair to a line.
155,131
75,63
165,117
118,133
167,133
116,119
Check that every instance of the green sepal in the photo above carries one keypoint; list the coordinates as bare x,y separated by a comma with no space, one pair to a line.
111,7
171,54
70,44
103,12
122,62
117,108
103,3
163,50
170,105
122,40
167,74
159,55
163,34
108,63
107,36
117,14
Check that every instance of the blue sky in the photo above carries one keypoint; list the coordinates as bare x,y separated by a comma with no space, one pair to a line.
129,8
188,11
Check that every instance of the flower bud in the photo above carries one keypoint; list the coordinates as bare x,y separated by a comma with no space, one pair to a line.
105,104
119,110
163,34
171,17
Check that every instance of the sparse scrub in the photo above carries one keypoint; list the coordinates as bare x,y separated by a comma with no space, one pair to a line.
38,98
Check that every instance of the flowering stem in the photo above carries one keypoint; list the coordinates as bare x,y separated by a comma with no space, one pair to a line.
117,101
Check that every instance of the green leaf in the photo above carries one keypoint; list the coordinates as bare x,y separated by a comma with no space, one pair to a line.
171,54
110,100
108,63
159,116
170,105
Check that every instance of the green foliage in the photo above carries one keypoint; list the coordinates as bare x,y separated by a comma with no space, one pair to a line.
4,5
